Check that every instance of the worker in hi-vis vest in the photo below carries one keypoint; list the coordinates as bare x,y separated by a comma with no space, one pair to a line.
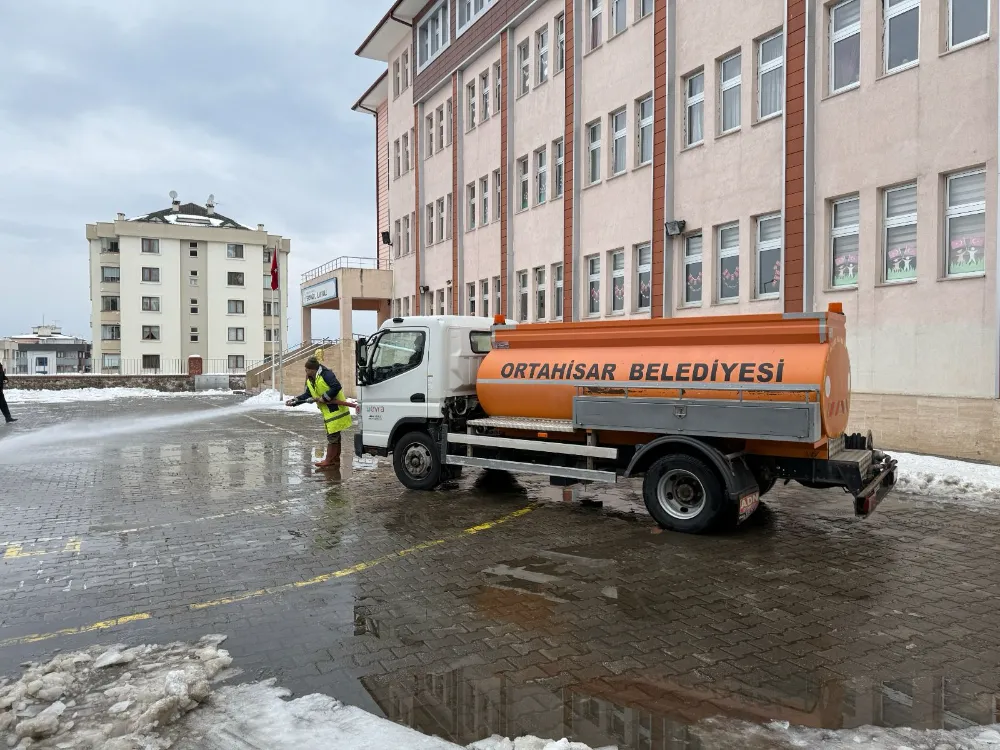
323,389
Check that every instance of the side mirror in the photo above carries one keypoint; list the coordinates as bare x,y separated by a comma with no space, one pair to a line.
361,360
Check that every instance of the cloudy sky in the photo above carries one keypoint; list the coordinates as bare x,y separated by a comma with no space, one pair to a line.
108,105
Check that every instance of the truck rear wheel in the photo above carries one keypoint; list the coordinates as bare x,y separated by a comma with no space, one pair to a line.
416,461
682,493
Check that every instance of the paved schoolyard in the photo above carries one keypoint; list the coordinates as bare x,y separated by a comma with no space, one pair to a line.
490,606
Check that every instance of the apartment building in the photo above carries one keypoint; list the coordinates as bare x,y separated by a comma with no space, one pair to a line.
45,351
184,282
575,159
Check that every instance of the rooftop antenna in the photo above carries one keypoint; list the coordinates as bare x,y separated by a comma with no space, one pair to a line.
173,195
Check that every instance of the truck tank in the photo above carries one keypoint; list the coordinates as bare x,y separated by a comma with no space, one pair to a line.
535,370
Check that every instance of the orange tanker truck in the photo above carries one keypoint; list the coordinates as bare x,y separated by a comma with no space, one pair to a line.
709,411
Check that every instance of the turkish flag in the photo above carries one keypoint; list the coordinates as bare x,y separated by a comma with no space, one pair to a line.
274,270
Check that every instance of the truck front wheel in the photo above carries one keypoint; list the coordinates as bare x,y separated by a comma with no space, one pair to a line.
683,494
416,461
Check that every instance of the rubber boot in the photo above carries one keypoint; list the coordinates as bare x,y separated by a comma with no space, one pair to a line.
332,457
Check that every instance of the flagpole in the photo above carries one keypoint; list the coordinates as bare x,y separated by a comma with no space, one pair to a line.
281,324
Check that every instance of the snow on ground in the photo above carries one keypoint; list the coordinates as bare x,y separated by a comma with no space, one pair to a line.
947,479
71,395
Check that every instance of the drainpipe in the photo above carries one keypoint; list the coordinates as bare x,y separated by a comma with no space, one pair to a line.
809,167
669,273
996,238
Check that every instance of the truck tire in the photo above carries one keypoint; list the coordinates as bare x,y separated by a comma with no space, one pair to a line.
683,493
416,461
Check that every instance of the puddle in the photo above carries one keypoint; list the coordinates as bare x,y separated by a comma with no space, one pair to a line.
644,714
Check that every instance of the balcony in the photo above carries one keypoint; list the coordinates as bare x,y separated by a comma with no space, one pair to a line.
345,261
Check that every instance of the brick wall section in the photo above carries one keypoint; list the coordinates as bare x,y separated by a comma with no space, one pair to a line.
454,193
569,162
382,182
795,67
461,49
504,67
659,269
417,236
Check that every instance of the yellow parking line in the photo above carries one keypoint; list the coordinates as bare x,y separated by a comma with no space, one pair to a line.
271,590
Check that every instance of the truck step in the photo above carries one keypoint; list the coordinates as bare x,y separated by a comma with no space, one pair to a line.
524,423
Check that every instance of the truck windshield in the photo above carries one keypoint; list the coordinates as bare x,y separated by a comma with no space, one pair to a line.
482,342
395,353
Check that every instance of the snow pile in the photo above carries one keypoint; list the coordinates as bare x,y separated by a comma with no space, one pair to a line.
496,742
72,395
947,478
109,699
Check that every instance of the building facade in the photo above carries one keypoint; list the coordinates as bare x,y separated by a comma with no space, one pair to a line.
574,159
182,283
45,351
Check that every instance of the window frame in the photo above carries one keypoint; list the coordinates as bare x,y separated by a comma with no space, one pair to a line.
497,206
643,125
485,94
111,307
541,165
429,211
594,36
460,27
640,269
151,358
115,359
594,152
689,260
540,292
763,246
726,252
235,251
897,222
643,8
404,66
958,212
470,106
557,291
593,284
559,32
523,184
834,37
727,84
542,72
442,229
448,121
889,13
484,297
426,56
523,296
429,127
439,129
236,334
394,371
496,296
110,329
117,276
690,102
484,199
449,220
558,167
523,68
617,15
497,84
616,273
242,278
150,304
849,230
470,206
950,41
768,67
153,331
149,242
471,292
150,280
619,141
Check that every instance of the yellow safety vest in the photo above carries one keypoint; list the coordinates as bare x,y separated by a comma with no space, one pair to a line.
336,421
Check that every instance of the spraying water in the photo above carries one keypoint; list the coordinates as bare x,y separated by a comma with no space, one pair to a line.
28,446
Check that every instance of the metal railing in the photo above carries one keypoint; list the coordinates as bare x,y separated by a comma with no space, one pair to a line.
345,261
171,366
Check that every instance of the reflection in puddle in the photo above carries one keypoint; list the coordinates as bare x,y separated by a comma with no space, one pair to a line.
648,715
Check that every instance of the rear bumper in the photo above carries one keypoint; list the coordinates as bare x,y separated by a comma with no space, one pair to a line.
877,489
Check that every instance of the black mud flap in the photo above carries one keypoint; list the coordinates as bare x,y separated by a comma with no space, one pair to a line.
359,444
873,493
743,490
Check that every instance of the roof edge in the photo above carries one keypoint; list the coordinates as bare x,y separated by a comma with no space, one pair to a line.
359,104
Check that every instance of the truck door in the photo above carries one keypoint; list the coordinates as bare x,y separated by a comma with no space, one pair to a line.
396,383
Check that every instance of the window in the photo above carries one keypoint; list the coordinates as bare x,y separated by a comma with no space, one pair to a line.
237,362
484,294
405,65
470,10
595,24
522,182
111,333
523,67
557,290
729,92
497,206
965,215
271,335
430,223
496,87
844,234
644,8
150,333
440,219
396,246
471,294
150,361
193,336
619,143
151,275
396,352
594,149
235,278
234,251
440,127
768,256
192,278
395,79
484,95
484,196
440,301
729,265
268,252
406,235
150,304
406,152
268,309
618,281
693,269
845,45
449,216
968,21
540,293
470,192
448,121
396,157
110,304
111,361
110,274
617,16
560,34
694,108
194,306
541,175
644,137
522,295
594,284
406,305
238,307
432,35
770,76
470,102
237,334
643,276
496,295
150,246
542,54
109,246
557,168
429,128
899,243
901,33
